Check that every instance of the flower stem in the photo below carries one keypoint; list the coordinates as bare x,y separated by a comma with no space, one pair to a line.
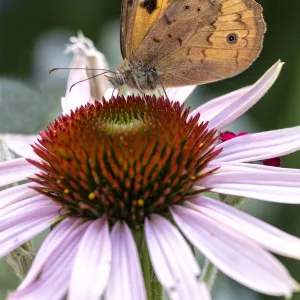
153,287
209,274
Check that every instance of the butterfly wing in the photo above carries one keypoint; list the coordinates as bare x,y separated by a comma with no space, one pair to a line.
200,41
137,18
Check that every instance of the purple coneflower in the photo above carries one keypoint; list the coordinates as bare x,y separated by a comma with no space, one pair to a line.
109,172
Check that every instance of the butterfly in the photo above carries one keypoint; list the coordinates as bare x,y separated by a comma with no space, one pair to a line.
173,43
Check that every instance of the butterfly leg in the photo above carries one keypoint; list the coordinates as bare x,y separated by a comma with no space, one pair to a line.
113,92
162,86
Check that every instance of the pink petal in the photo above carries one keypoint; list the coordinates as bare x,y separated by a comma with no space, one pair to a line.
15,170
250,167
22,208
20,144
264,234
26,227
126,278
238,257
246,101
276,186
16,194
215,106
259,146
167,248
51,286
92,263
56,237
180,93
54,266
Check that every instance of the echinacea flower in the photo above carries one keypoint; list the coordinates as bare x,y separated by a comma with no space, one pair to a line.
107,171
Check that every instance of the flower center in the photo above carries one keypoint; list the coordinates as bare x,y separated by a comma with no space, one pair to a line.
124,158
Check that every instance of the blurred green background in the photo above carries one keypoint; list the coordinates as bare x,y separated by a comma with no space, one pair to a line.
33,35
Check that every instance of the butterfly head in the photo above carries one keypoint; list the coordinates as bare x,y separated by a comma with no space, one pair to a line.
117,80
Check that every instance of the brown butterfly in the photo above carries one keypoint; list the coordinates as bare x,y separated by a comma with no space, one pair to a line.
172,43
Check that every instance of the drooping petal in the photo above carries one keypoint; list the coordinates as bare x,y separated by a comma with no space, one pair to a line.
90,84
20,144
16,193
266,235
247,100
51,286
92,263
167,248
53,241
22,208
15,170
80,94
238,257
84,48
275,186
50,273
18,229
259,146
215,106
180,93
126,277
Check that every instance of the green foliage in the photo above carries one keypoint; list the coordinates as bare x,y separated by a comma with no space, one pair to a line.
23,109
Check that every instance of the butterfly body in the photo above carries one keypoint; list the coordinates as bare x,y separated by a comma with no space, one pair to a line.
187,42
138,75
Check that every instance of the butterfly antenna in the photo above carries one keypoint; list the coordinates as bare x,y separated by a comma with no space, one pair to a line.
87,69
80,81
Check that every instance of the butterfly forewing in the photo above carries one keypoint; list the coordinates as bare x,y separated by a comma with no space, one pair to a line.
200,41
137,18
